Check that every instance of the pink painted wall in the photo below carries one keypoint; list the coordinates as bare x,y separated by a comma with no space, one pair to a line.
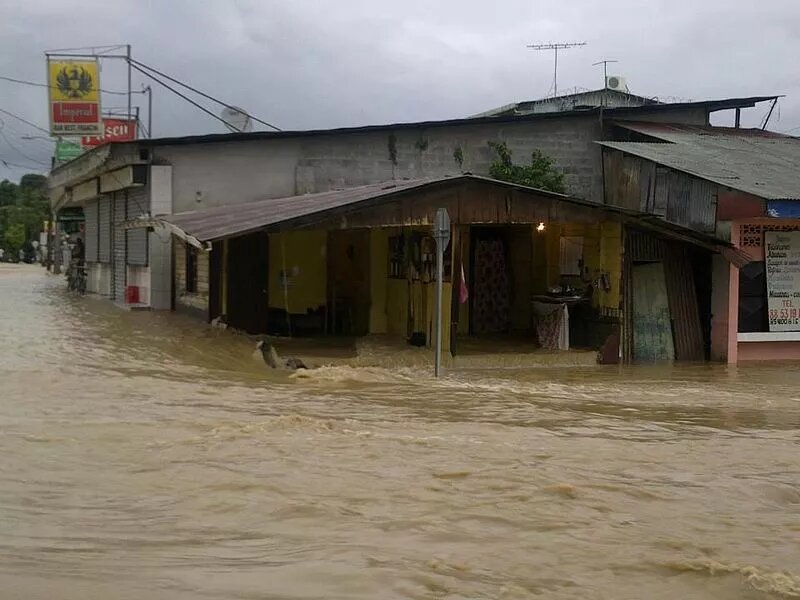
752,351
720,273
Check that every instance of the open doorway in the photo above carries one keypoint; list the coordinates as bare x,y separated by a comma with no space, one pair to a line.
248,269
348,282
490,301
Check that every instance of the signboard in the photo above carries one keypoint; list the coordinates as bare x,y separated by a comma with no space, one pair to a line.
441,227
115,130
74,93
782,256
66,150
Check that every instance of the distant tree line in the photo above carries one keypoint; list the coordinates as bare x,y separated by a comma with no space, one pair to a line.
23,209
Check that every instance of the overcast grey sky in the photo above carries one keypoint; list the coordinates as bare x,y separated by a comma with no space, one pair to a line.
312,64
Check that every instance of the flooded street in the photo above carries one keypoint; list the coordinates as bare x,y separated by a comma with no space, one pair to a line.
147,455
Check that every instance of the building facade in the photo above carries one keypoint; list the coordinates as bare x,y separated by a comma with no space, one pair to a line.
119,185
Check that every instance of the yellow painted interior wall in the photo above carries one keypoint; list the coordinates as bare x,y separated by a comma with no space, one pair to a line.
611,261
379,281
304,253
397,307
602,253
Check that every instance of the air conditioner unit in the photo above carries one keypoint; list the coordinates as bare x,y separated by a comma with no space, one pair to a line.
615,82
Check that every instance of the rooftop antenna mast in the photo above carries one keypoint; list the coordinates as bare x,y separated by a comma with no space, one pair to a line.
555,47
605,70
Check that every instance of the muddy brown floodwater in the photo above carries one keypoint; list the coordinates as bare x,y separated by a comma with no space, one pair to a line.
146,455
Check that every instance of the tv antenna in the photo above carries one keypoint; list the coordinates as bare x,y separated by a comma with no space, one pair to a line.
605,70
555,47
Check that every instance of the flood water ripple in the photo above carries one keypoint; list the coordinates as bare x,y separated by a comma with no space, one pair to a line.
147,454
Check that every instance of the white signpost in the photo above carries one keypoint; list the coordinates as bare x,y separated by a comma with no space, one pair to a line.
782,258
441,233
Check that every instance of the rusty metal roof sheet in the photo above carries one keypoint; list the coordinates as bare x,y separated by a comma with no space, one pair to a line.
203,226
226,221
764,164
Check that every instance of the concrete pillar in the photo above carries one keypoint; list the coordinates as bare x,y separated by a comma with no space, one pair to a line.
720,277
160,242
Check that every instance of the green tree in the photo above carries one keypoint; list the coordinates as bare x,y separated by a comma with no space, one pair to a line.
14,237
541,173
23,208
8,193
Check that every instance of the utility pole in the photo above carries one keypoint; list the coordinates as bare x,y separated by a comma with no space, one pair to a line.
128,60
441,233
605,70
555,47
149,91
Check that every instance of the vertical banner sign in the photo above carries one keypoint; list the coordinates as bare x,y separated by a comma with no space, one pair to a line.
782,256
74,92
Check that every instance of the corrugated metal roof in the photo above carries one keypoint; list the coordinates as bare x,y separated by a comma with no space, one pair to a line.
764,164
202,226
623,112
225,221
679,132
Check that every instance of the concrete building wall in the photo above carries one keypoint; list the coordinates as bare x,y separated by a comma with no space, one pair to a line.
217,174
160,242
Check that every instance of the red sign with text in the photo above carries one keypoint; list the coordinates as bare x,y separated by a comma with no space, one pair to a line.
116,130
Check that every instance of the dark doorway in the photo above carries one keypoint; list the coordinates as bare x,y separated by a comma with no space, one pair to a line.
490,298
215,288
348,282
248,276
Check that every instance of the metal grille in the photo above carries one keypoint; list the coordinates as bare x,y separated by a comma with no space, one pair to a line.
119,271
644,248
752,235
91,231
136,205
104,230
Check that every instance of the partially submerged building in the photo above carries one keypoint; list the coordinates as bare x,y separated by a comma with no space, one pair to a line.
740,185
293,232
360,261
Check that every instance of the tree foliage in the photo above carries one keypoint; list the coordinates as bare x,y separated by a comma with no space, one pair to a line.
541,173
23,209
14,237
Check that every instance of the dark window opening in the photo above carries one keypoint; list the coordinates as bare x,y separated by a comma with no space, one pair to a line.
191,270
753,313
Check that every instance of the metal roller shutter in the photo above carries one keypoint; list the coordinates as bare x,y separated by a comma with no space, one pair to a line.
91,230
120,270
136,205
104,230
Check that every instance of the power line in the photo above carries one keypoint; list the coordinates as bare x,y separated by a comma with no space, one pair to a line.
9,164
189,100
195,90
34,125
20,152
53,87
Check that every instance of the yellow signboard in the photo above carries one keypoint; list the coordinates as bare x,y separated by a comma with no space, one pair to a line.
74,90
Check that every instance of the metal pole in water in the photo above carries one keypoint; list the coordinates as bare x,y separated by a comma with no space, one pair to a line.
441,233
439,275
